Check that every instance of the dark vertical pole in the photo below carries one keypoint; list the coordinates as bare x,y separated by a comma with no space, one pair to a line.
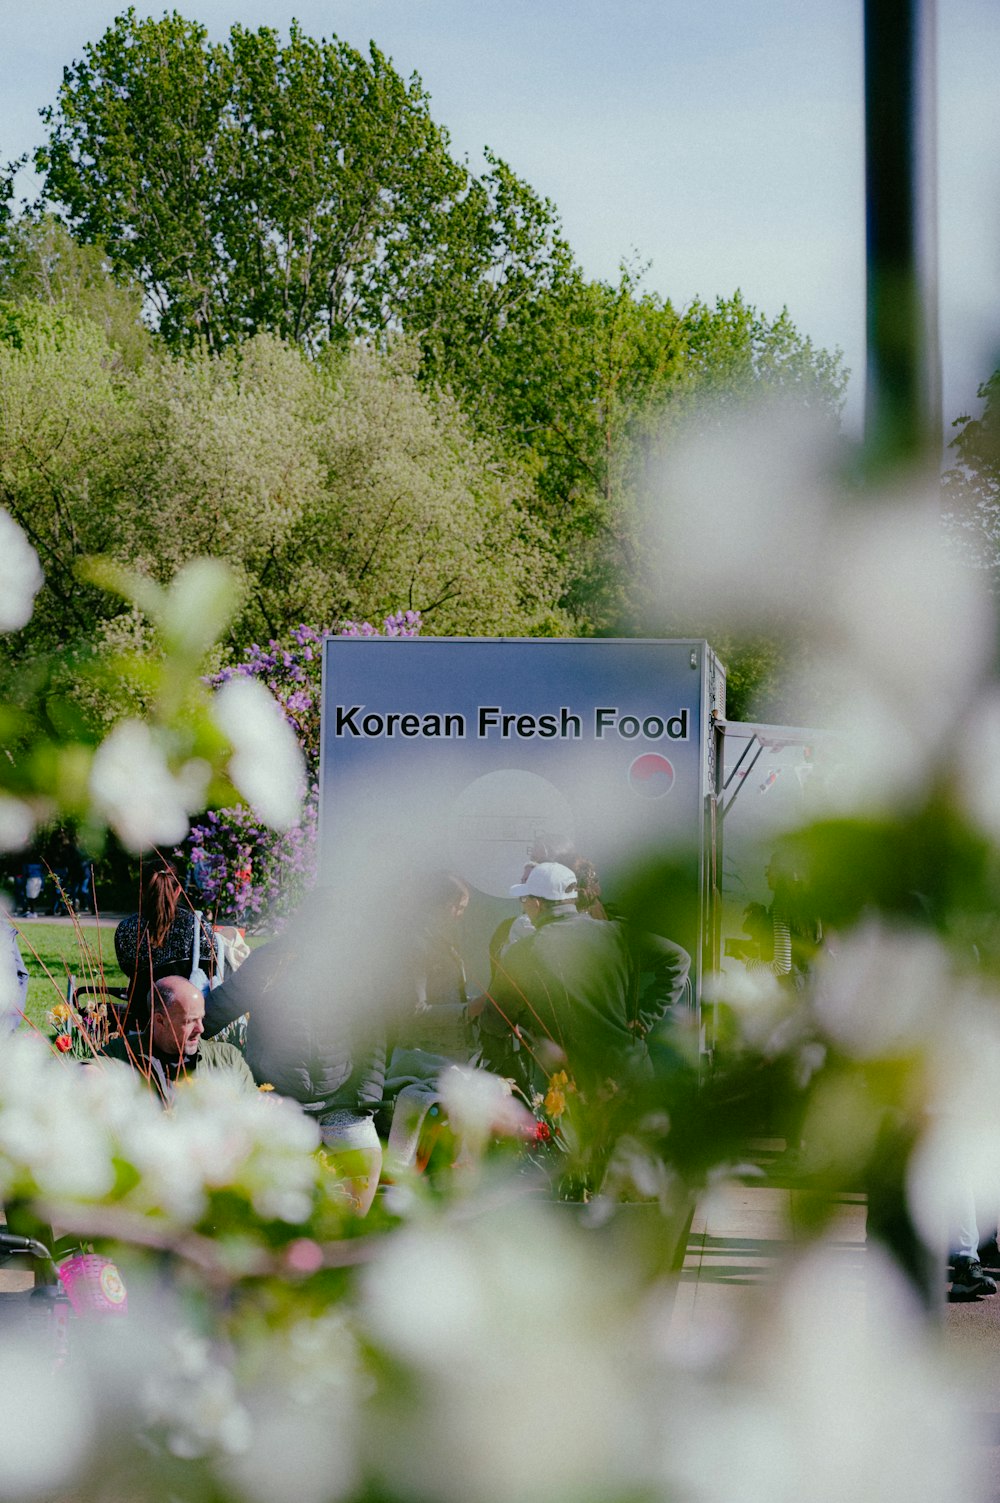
903,388
903,406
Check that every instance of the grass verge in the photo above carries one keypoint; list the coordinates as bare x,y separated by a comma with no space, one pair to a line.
54,952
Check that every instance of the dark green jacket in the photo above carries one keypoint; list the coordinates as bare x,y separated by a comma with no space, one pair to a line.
162,1075
595,988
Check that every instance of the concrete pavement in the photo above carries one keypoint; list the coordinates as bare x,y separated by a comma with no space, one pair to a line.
739,1238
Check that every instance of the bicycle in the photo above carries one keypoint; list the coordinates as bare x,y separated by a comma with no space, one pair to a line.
85,1285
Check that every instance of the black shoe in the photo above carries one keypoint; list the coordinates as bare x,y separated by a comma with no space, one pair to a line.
989,1254
969,1281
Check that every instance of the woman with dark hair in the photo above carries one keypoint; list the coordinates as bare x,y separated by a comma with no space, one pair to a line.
159,940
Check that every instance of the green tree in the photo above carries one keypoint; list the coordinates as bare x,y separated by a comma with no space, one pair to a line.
590,381
337,488
301,188
41,261
61,417
971,487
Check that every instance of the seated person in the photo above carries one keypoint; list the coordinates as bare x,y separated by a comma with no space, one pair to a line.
159,940
304,1043
171,1048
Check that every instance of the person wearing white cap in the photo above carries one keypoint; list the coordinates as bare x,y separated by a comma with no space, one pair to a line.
573,989
548,882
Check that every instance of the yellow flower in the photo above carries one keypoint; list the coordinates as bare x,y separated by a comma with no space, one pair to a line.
265,1087
555,1097
555,1102
61,1013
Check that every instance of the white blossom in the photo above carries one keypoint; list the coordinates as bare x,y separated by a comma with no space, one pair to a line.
480,1104
47,1430
530,1368
132,786
193,1398
883,991
837,1391
267,765
956,1165
21,575
898,634
977,759
63,1127
17,823
304,1415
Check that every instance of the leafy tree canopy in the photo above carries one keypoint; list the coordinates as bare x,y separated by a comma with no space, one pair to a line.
302,189
334,488
972,485
299,188
42,262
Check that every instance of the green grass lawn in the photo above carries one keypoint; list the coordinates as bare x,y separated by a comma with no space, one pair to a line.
53,952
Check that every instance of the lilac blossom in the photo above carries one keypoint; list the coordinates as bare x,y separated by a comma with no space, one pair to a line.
246,873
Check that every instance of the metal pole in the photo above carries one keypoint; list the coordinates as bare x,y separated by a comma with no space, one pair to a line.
902,405
903,386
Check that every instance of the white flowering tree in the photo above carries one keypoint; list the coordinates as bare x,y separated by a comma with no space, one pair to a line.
144,777
470,1341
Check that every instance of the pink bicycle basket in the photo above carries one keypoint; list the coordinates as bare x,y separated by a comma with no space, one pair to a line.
94,1285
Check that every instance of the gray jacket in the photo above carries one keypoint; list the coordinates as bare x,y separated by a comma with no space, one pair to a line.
297,1041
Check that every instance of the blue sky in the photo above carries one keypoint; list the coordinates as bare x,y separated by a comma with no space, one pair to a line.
722,142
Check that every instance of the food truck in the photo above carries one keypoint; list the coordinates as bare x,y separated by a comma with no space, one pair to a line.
467,755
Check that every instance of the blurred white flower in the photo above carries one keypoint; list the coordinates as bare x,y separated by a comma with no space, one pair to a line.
49,1139
755,520
527,1366
884,991
216,1137
839,1392
47,1428
64,1129
304,1414
17,823
192,1397
267,765
480,1105
144,802
758,1000
21,575
747,508
905,638
956,1166
977,759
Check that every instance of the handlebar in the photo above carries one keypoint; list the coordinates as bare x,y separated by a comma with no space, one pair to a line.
12,1245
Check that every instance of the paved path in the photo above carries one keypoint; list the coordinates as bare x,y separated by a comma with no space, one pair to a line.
68,920
738,1240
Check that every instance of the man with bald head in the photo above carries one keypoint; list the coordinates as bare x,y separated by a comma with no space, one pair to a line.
170,1047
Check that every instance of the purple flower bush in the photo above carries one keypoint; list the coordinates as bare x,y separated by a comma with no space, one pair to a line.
244,872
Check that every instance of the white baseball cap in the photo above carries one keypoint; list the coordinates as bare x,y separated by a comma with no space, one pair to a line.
550,880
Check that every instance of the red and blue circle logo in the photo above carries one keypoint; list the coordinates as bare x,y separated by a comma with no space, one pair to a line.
651,776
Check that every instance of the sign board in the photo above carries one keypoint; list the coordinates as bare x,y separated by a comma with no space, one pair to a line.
460,754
